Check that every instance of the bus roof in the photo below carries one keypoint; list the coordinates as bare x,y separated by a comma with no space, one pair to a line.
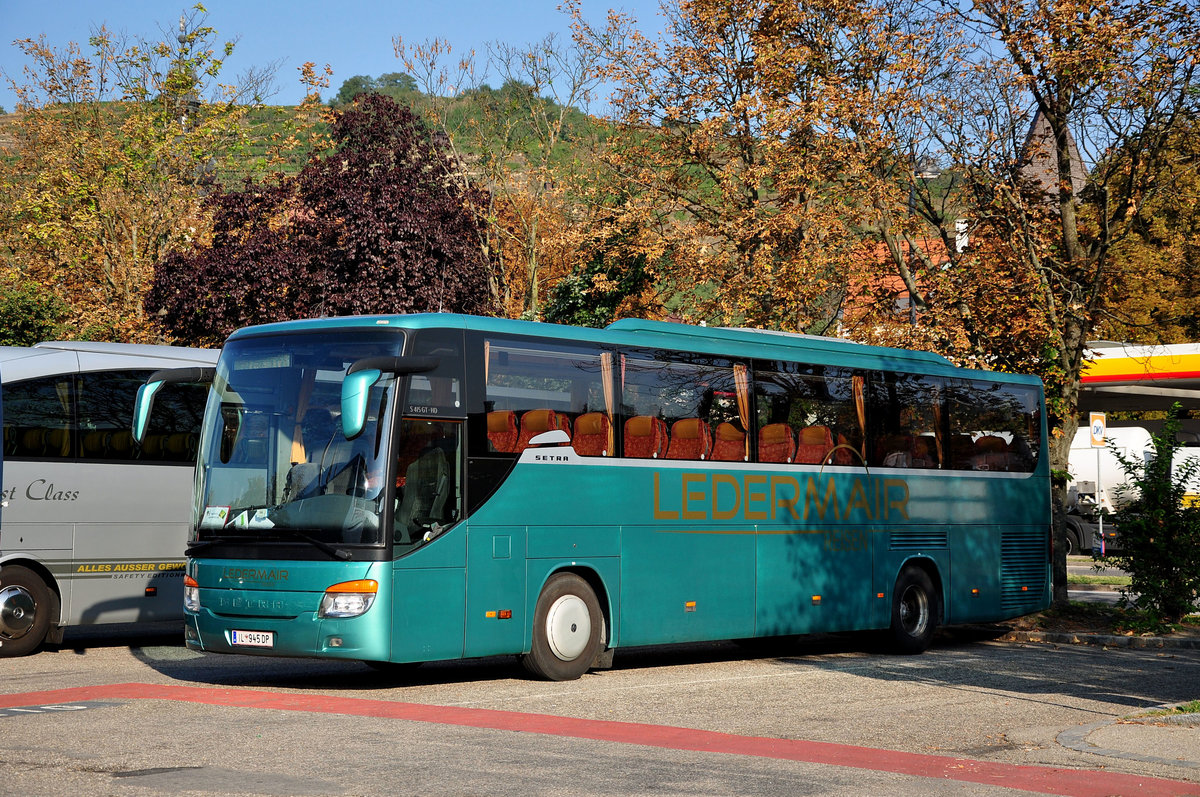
53,357
723,341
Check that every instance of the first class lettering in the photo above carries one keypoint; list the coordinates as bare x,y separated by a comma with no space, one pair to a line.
42,490
760,496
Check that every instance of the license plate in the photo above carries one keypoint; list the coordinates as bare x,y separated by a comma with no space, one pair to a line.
254,639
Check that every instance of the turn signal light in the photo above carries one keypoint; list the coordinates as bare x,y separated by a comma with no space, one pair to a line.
362,585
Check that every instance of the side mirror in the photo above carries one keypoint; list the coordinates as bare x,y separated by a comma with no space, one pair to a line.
356,388
362,375
143,404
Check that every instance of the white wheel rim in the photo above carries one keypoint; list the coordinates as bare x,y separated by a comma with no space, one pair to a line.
568,627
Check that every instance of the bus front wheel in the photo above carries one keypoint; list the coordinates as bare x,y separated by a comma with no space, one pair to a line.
568,630
25,608
916,609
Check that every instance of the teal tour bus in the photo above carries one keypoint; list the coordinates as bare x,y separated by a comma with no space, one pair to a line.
401,489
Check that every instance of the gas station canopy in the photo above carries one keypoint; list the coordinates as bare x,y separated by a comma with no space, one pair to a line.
1124,377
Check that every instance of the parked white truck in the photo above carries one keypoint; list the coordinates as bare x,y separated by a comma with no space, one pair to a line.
1098,482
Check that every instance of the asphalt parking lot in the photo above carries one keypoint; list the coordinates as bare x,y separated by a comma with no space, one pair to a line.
118,715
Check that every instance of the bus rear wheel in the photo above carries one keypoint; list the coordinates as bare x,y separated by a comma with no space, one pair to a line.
916,609
26,604
568,630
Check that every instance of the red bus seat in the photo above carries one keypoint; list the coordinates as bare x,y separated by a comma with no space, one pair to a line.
775,443
592,432
502,430
645,436
534,422
813,445
992,452
690,439
729,443
924,452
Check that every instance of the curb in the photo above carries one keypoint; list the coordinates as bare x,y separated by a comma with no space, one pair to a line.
1102,640
1077,739
1189,720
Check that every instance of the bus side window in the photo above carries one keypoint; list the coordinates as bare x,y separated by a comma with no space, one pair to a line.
38,418
105,412
531,388
906,421
807,414
673,402
993,426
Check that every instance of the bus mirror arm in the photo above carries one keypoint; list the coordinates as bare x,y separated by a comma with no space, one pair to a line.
394,365
144,403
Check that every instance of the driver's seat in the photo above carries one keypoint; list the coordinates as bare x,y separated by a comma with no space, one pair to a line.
426,489
303,480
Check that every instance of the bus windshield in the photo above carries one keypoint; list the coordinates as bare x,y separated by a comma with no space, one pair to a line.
274,463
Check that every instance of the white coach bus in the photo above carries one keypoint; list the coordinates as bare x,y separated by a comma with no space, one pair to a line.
93,525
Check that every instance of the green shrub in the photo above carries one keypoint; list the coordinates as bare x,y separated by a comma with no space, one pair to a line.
28,314
1160,533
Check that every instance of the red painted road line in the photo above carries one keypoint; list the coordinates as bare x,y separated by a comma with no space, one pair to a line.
1046,780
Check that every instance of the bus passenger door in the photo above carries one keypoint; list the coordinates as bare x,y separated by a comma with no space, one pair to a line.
128,565
428,600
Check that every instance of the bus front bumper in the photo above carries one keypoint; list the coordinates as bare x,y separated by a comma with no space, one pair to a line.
363,638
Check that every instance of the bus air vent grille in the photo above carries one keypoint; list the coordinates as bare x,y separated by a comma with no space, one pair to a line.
1023,569
919,540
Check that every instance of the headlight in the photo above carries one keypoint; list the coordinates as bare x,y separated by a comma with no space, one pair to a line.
191,594
348,599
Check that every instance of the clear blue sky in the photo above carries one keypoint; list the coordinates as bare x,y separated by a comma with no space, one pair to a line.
352,36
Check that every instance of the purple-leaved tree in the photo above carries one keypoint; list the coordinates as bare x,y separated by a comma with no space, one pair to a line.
374,226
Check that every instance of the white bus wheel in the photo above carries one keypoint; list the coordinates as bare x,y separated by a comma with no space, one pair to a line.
568,629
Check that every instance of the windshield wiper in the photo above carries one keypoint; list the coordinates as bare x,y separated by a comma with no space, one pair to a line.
336,553
199,544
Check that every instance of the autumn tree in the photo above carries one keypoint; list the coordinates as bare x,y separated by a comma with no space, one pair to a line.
1058,119
372,227
112,150
1157,268
526,144
788,143
620,261
747,125
28,315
